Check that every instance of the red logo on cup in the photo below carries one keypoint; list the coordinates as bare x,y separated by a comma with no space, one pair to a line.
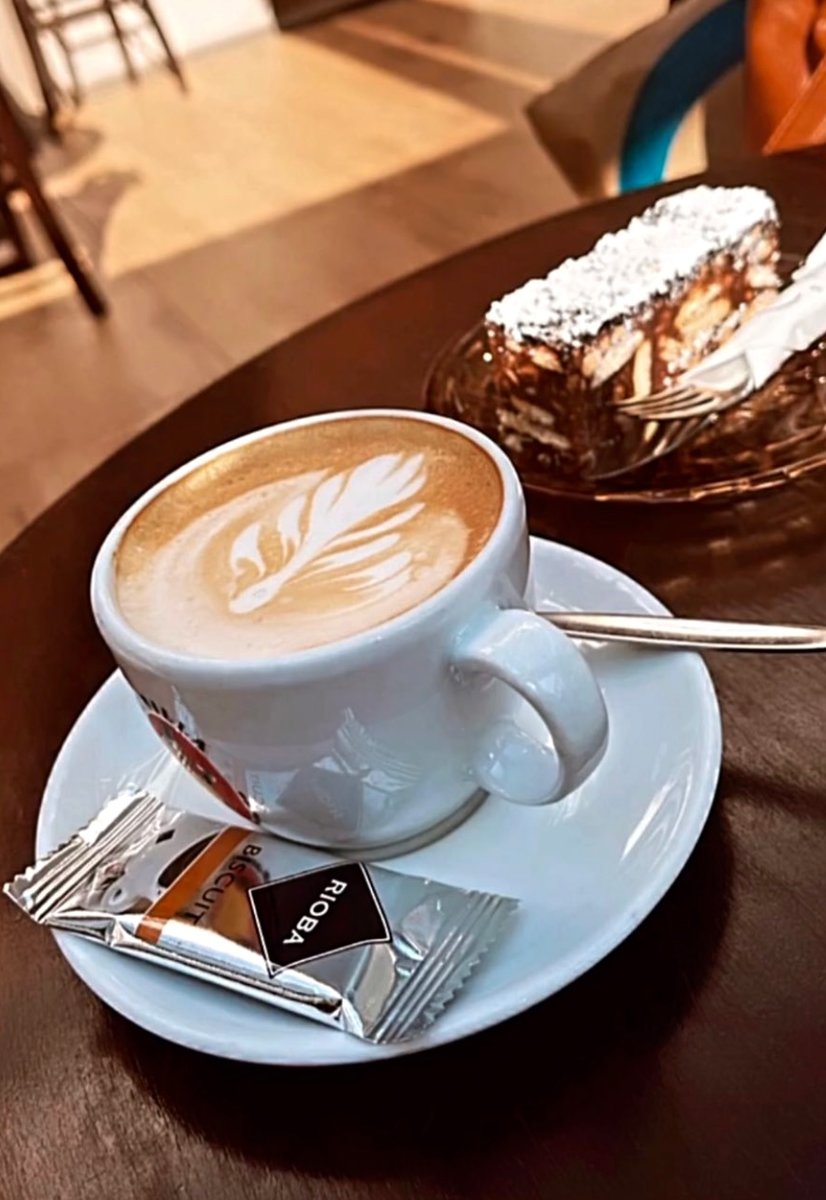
190,755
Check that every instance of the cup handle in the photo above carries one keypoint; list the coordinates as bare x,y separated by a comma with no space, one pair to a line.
545,667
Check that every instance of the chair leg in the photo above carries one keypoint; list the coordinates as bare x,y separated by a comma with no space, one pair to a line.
17,153
13,232
51,98
171,59
111,11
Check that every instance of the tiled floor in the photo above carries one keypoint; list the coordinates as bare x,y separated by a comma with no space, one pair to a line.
303,170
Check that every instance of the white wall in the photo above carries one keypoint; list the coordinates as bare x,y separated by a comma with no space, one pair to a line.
190,25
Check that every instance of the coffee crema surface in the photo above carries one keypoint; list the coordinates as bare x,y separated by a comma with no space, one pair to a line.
305,537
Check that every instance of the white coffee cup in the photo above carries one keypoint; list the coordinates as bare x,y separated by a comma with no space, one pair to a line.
388,736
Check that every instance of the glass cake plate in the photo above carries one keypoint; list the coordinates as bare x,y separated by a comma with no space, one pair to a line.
778,434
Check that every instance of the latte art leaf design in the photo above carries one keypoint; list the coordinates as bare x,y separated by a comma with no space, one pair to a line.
246,549
348,524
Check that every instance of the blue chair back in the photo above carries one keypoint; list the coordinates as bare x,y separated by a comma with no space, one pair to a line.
676,82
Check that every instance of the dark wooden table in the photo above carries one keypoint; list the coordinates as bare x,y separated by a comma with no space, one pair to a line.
690,1064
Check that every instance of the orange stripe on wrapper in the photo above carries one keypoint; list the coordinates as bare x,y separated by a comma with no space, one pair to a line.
189,883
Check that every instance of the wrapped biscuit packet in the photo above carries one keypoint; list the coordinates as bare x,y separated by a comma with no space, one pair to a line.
367,950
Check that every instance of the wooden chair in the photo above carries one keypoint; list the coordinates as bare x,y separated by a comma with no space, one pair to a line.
16,171
783,44
786,74
47,20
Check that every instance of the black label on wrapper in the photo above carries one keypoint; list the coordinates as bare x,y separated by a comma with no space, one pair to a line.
316,913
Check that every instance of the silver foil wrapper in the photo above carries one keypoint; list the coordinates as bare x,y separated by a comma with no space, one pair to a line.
373,952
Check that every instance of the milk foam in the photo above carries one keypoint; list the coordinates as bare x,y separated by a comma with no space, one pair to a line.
348,527
310,556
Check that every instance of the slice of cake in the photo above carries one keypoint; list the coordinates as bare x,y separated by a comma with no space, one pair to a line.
646,303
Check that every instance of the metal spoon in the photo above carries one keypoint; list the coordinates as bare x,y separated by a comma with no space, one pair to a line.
688,634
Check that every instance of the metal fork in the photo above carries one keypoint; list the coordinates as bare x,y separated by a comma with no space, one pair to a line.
724,381
681,401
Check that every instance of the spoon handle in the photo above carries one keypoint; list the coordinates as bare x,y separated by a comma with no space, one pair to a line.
686,633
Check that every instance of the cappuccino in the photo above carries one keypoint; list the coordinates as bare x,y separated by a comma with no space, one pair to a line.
306,536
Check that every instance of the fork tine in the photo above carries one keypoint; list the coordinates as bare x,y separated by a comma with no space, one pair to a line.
686,402
651,407
676,394
694,406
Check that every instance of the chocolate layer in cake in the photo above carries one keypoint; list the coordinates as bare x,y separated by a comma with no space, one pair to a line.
646,303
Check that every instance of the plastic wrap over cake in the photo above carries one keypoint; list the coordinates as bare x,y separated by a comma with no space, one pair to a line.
647,302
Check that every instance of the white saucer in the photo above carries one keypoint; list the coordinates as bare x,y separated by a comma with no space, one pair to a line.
587,870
